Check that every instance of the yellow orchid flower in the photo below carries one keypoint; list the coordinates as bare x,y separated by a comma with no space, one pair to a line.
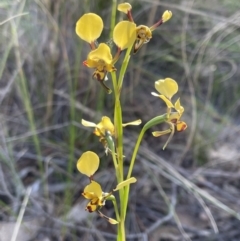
174,123
143,32
101,60
97,197
100,129
94,193
167,88
88,163
89,27
106,125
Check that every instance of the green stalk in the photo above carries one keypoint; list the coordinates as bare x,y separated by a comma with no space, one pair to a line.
119,138
119,148
116,209
111,146
119,142
124,68
114,81
113,16
118,135
155,121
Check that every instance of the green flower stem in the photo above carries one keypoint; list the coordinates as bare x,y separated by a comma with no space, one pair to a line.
117,85
114,82
111,146
118,125
113,16
155,121
119,141
124,68
116,209
119,135
122,230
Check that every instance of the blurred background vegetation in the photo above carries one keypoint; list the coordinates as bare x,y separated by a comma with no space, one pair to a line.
45,92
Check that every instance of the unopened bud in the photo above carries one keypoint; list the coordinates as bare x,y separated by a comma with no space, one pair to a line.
166,16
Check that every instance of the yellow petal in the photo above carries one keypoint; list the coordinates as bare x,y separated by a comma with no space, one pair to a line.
88,123
89,195
88,163
166,16
124,7
90,63
181,126
178,107
167,101
124,34
110,67
103,53
95,188
167,87
171,130
112,221
133,123
106,125
161,133
89,27
125,183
